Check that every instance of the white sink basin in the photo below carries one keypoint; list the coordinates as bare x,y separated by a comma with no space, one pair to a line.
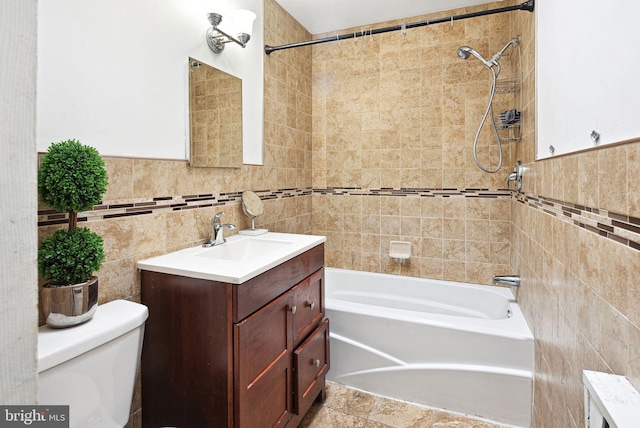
241,258
243,249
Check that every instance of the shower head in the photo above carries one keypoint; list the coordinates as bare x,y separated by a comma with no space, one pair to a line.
465,51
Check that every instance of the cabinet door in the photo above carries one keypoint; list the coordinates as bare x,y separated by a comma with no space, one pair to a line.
262,356
308,301
310,363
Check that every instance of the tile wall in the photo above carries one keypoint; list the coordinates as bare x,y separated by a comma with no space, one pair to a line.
575,242
394,120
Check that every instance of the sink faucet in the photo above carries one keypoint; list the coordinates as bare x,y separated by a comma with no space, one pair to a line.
217,236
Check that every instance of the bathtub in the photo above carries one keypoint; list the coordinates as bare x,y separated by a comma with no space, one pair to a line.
461,347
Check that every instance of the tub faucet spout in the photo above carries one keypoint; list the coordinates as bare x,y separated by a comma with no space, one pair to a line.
217,236
511,280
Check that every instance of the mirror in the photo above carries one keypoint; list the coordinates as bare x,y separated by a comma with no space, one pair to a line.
215,117
253,207
586,75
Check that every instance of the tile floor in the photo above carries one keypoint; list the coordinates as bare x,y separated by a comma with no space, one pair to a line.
350,408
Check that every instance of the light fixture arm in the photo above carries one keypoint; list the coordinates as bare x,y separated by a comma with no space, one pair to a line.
216,37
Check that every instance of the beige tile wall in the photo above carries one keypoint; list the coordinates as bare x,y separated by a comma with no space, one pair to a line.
455,238
394,112
580,292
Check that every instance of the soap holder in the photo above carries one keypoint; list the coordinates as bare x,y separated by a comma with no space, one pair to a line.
399,249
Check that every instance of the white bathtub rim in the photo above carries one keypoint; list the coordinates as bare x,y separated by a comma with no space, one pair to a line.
503,291
469,313
514,327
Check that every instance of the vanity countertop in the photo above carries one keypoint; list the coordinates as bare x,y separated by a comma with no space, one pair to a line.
241,258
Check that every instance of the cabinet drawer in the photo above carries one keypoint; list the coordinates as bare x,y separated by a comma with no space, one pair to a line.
310,364
308,300
258,291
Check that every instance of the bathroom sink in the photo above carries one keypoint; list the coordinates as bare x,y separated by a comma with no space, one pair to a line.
241,258
244,249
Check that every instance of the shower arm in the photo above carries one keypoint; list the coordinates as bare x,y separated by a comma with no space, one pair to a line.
497,56
526,6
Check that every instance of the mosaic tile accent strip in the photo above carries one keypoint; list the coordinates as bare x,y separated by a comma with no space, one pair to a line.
160,204
424,193
610,225
48,217
620,228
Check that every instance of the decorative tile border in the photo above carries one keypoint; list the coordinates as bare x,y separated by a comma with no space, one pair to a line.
163,204
424,193
176,203
620,228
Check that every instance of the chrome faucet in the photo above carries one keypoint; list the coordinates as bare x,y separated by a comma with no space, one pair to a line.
217,236
511,280
516,177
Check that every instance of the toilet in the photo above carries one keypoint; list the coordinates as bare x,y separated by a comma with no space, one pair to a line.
610,401
92,367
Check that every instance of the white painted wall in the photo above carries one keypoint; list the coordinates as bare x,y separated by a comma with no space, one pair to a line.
113,73
587,73
18,163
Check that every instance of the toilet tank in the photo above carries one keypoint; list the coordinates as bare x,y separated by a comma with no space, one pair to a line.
92,367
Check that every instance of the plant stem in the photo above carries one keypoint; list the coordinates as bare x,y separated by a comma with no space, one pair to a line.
73,220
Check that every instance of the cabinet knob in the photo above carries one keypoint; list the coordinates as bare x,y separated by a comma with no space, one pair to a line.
293,309
316,363
312,305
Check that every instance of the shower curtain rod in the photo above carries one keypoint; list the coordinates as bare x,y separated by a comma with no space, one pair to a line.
527,5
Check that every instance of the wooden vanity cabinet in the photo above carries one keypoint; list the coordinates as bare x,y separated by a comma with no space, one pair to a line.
246,356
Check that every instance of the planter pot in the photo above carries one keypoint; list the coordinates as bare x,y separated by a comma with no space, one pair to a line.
70,305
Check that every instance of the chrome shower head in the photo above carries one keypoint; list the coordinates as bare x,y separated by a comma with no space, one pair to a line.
465,51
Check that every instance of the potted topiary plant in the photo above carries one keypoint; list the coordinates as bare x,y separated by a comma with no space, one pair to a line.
72,178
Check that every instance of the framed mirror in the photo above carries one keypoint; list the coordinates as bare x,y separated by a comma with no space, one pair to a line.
215,117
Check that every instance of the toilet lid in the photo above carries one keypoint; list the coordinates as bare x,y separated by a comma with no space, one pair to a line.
111,320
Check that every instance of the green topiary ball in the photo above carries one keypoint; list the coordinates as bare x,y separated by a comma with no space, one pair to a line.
70,257
72,177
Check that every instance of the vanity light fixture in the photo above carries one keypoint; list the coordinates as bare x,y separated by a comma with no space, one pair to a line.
241,21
